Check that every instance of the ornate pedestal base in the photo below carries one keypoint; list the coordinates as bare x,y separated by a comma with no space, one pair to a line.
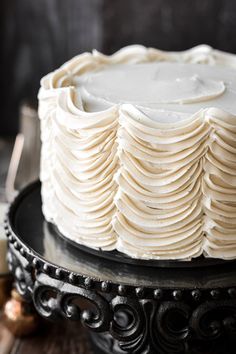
129,308
105,344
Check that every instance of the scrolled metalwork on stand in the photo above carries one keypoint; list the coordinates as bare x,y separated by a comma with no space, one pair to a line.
148,327
126,324
21,269
54,298
213,319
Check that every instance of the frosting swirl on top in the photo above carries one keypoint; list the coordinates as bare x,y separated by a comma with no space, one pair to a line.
134,157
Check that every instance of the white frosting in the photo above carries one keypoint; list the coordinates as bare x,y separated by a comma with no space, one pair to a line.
134,157
166,85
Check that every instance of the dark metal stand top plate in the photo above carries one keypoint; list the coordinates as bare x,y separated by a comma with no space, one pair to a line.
41,240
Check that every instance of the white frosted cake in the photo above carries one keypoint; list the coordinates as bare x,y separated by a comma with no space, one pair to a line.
139,152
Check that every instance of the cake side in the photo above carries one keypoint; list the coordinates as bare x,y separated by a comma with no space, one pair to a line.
115,178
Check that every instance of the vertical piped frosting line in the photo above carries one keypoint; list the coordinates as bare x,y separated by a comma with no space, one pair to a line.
80,158
159,199
219,186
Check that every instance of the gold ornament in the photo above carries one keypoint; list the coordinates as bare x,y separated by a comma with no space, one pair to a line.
19,317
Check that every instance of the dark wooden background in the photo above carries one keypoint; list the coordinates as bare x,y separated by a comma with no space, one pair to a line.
37,36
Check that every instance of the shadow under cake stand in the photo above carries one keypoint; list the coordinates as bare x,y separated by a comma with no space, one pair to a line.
130,306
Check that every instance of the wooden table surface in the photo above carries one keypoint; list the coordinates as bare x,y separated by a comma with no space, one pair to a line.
62,338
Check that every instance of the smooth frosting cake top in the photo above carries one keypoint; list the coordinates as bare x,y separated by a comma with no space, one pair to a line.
174,87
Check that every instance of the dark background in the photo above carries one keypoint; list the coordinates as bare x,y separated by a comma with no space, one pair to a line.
36,36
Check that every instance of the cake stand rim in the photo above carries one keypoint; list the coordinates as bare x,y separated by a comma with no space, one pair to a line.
39,263
199,262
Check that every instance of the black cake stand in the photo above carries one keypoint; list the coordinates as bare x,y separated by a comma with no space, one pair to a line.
130,306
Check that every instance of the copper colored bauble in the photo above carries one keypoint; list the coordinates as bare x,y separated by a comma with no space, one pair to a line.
19,317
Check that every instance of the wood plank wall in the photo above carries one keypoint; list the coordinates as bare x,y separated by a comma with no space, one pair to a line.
38,36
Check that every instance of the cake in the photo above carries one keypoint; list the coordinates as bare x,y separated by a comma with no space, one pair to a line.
139,152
